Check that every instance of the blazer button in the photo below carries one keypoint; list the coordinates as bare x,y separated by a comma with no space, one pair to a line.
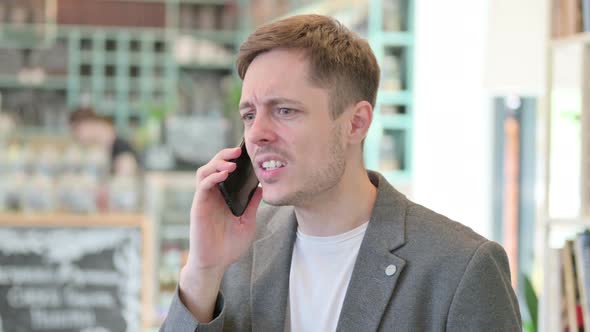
390,270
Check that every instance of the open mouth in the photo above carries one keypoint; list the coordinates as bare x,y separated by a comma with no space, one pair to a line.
271,165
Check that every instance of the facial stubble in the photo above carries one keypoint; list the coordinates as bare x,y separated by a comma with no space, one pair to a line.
320,179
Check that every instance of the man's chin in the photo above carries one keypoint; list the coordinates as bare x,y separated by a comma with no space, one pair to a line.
276,200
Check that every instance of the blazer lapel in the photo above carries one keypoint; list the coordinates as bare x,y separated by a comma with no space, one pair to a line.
270,273
377,269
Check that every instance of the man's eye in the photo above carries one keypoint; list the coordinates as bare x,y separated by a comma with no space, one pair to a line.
248,116
285,111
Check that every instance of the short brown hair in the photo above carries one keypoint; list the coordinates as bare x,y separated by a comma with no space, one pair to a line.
82,114
339,59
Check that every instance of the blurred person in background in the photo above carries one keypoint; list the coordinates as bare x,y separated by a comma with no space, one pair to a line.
91,129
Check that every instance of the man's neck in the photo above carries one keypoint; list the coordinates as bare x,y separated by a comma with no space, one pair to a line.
346,206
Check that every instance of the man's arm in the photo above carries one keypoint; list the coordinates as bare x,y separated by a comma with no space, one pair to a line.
180,319
484,299
217,239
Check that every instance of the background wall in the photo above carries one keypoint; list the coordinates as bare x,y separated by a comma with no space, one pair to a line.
515,59
453,123
467,52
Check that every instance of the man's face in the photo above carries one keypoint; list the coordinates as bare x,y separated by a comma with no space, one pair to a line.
296,147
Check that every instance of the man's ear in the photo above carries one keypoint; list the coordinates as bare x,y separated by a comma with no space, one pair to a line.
360,120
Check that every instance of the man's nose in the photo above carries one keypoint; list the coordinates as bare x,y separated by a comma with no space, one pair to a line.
262,131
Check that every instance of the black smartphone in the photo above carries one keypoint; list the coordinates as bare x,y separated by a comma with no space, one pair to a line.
239,187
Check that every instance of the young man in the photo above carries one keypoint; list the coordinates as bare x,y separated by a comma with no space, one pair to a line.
337,247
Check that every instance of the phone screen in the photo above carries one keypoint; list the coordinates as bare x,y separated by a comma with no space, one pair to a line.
238,188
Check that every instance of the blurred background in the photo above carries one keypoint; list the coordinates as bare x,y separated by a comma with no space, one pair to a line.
107,108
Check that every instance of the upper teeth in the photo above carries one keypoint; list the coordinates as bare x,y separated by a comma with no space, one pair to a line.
272,164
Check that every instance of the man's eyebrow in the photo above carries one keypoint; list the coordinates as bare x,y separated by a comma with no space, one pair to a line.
271,102
245,104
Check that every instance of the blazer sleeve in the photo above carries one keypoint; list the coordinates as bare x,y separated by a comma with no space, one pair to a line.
484,299
180,319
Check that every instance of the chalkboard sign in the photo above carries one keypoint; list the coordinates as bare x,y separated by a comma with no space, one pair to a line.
83,279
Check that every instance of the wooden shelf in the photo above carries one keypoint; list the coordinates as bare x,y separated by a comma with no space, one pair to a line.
49,83
202,2
227,66
73,220
195,2
111,58
220,36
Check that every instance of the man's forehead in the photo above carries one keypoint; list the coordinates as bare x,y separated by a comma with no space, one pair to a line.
277,68
269,101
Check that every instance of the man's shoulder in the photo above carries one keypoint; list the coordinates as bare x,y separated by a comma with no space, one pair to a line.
435,242
431,226
421,226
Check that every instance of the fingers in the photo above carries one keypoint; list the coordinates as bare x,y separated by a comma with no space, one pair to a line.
218,163
215,171
212,180
227,154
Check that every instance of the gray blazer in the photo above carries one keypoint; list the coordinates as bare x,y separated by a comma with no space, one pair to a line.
445,276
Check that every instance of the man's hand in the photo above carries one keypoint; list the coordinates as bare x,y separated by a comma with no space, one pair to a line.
217,237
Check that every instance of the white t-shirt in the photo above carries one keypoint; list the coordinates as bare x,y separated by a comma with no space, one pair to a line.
321,267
